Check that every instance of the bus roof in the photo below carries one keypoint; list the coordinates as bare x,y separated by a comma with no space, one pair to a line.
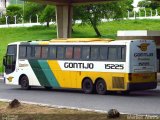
82,40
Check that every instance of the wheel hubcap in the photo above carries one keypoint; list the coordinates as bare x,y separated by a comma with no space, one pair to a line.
100,86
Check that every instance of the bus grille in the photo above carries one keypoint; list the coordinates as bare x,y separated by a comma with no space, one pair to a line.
118,82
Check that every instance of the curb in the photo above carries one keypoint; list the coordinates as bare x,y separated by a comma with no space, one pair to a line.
57,106
76,108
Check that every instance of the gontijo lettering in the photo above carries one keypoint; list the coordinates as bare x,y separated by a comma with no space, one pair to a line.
143,54
79,65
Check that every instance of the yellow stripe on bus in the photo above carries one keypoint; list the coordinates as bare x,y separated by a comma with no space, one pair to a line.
73,79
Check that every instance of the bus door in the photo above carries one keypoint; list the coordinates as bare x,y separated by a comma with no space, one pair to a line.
9,61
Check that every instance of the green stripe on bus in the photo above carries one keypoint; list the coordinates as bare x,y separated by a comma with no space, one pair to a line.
48,73
39,73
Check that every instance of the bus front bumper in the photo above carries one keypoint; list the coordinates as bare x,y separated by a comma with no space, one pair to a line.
141,86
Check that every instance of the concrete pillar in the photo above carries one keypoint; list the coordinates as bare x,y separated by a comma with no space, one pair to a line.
64,15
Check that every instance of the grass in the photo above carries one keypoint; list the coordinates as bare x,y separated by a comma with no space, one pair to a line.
108,30
37,112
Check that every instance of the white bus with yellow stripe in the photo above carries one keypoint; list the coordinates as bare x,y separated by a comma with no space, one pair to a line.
90,64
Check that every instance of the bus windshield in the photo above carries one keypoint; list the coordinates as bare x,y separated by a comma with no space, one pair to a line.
10,59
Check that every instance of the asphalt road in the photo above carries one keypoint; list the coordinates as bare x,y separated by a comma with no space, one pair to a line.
142,102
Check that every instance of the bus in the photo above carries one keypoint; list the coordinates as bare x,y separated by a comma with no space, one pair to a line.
90,64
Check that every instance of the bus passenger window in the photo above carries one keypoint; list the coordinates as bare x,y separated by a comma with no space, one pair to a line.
44,52
22,52
60,52
94,53
30,52
69,53
85,53
121,53
112,53
103,53
52,52
37,51
77,53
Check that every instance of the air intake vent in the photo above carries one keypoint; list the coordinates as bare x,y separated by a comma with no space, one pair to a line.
118,82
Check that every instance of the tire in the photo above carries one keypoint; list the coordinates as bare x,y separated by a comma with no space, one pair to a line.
25,83
101,87
87,86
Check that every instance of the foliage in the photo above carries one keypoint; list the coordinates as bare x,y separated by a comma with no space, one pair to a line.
148,4
144,3
154,5
148,12
127,5
31,10
92,14
14,10
48,14
3,20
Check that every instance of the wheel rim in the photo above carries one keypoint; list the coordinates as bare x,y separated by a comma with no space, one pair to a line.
24,83
88,86
100,87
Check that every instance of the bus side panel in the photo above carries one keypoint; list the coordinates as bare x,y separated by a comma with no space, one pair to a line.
43,73
60,75
73,79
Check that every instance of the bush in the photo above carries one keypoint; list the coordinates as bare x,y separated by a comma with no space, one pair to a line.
3,20
13,10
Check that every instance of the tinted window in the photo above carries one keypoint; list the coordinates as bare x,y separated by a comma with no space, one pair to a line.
85,53
103,52
60,52
77,53
37,52
69,53
12,50
112,53
121,53
22,52
94,53
52,52
44,52
30,51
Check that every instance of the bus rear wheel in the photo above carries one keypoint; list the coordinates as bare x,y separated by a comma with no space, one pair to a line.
101,87
25,83
87,86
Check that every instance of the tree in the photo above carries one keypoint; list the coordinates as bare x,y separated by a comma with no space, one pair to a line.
92,14
32,9
48,14
144,3
154,5
14,10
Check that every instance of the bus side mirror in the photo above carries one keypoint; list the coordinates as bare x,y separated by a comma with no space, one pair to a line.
4,61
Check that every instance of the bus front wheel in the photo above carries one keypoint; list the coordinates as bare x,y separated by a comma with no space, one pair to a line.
24,83
101,87
87,86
